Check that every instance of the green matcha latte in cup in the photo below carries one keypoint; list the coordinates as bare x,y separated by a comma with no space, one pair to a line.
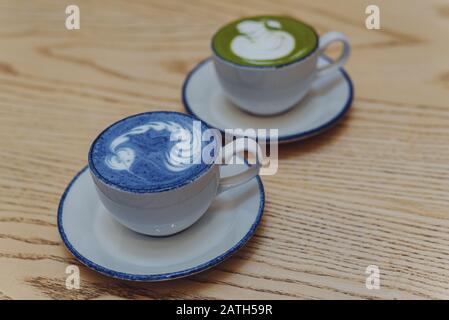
266,64
265,41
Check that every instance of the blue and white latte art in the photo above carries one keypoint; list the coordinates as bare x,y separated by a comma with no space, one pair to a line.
151,151
181,155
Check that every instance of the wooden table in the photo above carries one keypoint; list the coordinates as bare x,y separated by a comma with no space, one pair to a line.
372,191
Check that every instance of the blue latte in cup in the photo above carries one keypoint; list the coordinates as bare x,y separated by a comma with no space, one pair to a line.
157,173
151,152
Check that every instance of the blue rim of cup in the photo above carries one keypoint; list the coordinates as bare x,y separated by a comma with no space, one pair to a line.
155,277
277,66
110,184
285,138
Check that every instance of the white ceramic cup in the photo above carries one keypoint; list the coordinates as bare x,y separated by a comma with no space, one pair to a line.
169,212
267,90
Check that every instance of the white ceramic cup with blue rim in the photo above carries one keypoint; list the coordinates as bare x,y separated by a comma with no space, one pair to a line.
266,64
139,183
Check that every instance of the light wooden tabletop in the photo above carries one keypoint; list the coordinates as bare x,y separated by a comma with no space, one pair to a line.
372,191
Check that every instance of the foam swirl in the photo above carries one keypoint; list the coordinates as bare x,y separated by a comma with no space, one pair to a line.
257,42
184,153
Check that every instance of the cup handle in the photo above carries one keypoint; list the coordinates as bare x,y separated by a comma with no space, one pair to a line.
325,40
229,151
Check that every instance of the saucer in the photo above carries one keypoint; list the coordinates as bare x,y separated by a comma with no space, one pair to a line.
327,102
97,240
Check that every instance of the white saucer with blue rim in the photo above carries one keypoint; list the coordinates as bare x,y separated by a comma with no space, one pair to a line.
97,240
327,103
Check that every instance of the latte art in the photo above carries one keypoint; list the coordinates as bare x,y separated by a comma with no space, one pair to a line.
180,156
151,152
257,42
264,41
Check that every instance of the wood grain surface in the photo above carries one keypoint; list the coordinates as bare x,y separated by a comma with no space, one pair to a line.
373,190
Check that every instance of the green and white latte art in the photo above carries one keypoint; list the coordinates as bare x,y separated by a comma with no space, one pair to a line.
264,41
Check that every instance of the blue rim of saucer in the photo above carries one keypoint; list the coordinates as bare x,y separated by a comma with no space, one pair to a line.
155,277
285,138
